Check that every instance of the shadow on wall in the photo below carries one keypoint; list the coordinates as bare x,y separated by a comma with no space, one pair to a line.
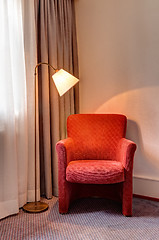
140,107
143,160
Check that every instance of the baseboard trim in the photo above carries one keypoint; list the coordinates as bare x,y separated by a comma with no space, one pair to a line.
146,197
145,186
146,178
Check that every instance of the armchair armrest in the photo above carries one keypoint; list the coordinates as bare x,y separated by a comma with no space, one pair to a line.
65,151
125,152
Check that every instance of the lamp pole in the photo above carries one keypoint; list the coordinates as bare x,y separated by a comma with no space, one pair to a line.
37,206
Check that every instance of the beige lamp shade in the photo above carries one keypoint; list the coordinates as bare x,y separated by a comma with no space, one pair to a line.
64,81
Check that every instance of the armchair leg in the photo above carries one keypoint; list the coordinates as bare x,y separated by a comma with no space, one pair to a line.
64,202
63,206
127,209
65,196
127,199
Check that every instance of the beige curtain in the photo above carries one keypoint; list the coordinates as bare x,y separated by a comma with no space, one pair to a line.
17,59
56,38
30,50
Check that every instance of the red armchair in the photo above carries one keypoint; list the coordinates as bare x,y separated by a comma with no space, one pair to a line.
95,160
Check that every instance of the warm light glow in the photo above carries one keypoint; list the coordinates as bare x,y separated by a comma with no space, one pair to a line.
64,81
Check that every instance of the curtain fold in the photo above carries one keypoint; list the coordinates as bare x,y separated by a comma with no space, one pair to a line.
17,61
57,45
30,50
13,110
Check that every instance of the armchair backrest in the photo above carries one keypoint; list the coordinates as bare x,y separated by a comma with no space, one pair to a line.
96,136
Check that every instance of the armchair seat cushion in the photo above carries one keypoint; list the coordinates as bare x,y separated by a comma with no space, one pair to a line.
95,172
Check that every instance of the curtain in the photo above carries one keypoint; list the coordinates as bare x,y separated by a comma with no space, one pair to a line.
33,31
16,88
56,37
30,50
13,110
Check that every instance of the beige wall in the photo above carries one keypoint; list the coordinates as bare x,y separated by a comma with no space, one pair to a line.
118,45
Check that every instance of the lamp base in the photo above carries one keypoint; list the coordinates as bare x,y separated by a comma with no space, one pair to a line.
35,207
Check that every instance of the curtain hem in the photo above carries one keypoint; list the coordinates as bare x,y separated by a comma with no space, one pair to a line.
9,208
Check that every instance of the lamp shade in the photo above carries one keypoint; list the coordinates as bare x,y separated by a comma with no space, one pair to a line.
64,81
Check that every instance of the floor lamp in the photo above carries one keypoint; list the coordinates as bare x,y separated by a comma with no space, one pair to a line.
63,82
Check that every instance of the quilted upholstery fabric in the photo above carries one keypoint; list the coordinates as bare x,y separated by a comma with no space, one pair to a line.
96,135
95,172
107,160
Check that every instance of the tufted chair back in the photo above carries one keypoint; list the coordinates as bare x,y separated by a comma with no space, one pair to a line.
96,136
